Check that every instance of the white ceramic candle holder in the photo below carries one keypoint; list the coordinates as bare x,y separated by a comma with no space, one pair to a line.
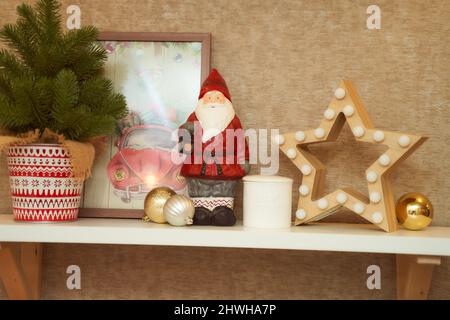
267,201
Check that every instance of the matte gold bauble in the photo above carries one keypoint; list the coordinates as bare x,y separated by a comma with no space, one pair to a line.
154,204
414,211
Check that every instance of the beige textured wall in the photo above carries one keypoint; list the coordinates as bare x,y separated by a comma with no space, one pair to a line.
282,60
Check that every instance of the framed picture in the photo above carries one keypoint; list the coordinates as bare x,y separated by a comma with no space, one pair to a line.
160,75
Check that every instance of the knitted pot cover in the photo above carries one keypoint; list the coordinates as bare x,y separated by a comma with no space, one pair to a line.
42,185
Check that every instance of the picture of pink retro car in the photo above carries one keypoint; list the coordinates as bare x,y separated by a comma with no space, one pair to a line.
143,162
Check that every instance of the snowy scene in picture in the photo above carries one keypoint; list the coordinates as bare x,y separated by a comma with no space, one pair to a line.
160,81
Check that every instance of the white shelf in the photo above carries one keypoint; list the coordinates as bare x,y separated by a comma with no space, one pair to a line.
320,236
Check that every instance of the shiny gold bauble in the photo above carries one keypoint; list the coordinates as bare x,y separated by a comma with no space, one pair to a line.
154,203
414,211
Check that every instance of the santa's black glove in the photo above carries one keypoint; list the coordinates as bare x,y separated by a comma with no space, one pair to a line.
186,148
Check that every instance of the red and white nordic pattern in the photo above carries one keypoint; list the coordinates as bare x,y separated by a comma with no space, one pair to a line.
211,202
42,185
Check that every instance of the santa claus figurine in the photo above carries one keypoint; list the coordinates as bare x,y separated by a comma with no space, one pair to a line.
217,154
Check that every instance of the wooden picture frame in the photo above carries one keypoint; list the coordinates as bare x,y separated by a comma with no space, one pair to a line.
203,38
121,40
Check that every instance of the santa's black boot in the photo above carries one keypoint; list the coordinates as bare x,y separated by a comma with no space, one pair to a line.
223,216
202,216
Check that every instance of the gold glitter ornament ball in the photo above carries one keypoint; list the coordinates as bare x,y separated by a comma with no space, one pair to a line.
414,211
154,204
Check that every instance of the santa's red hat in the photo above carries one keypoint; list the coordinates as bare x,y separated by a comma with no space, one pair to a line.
214,82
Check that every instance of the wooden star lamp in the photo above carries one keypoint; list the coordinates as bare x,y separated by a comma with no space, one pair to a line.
313,205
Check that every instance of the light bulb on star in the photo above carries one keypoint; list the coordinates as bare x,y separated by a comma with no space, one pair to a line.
292,153
300,214
404,141
384,160
319,133
279,139
372,176
377,217
306,169
359,208
329,114
339,93
358,132
300,136
349,110
378,136
304,190
375,197
322,204
341,198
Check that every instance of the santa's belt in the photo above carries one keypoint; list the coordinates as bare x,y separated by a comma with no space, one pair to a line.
218,166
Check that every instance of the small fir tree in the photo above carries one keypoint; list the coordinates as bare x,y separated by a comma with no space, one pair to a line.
53,79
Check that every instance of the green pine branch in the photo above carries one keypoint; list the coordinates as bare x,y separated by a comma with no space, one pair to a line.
51,79
11,66
29,20
66,93
50,20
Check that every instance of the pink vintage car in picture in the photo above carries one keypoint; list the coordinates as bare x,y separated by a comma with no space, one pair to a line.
143,162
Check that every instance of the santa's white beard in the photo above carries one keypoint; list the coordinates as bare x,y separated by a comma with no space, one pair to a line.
214,118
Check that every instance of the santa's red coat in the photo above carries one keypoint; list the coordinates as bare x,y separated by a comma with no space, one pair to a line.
218,163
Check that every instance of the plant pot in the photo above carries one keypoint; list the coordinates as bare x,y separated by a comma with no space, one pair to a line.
42,185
